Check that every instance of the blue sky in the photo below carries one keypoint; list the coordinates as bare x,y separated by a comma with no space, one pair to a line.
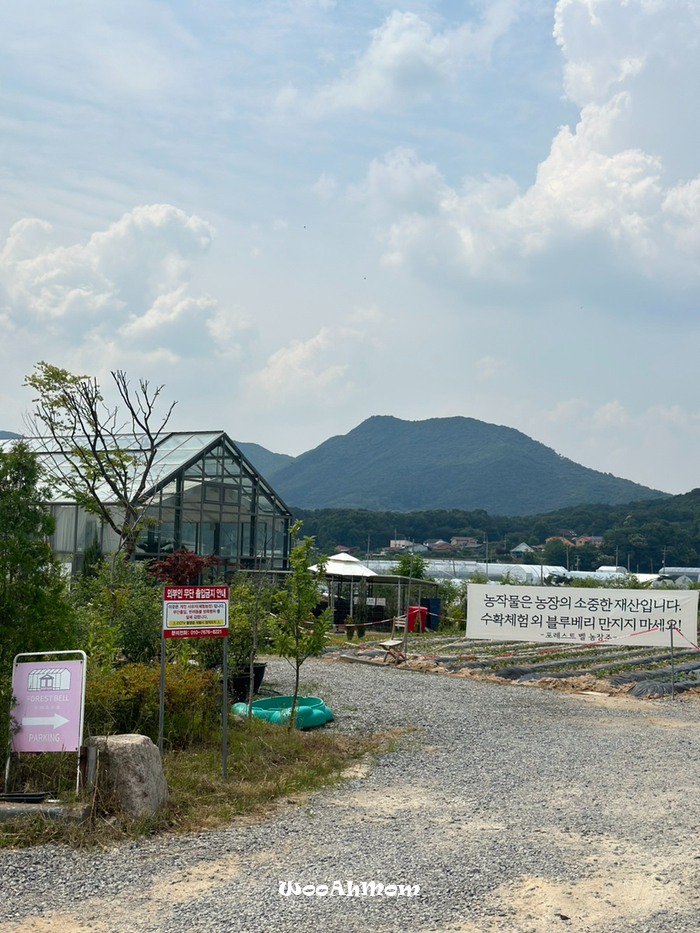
299,214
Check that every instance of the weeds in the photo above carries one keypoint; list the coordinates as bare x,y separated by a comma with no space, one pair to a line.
265,764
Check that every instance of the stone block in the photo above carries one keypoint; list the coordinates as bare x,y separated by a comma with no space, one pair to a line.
131,769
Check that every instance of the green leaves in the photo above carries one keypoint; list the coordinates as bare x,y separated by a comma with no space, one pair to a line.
301,633
411,565
34,611
119,614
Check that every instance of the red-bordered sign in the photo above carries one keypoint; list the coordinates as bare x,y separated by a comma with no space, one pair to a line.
195,611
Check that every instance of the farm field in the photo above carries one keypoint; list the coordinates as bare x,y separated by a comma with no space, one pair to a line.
639,671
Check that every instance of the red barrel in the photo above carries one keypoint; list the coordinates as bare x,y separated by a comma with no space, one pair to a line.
415,618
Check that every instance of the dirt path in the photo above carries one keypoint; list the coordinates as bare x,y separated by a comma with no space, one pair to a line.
515,810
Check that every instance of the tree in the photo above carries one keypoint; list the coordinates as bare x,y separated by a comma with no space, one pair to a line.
556,553
411,565
182,567
300,634
101,456
585,557
93,558
34,611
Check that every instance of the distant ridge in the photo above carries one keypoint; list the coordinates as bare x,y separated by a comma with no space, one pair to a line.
266,462
387,464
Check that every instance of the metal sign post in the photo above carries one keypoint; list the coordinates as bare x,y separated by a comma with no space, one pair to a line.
161,700
673,668
224,712
49,705
195,612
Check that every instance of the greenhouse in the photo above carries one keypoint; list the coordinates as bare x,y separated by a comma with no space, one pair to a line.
206,497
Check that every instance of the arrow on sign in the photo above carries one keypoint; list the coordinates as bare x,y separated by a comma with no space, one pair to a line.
54,721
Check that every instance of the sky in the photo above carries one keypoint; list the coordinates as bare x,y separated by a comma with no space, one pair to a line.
296,214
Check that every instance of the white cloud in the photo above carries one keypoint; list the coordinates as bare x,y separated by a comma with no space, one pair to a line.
134,53
611,415
321,373
300,372
653,441
488,367
400,182
166,311
405,62
325,186
361,324
226,328
598,180
127,284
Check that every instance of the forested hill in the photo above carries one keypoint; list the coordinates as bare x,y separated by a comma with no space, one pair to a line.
445,463
641,535
265,461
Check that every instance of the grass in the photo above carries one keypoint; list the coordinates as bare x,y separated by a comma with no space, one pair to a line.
265,763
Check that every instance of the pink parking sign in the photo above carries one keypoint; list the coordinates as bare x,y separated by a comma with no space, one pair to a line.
49,705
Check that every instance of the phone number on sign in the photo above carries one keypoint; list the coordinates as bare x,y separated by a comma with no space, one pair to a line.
193,632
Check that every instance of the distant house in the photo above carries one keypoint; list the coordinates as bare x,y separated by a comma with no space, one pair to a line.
459,542
595,540
561,538
407,547
522,548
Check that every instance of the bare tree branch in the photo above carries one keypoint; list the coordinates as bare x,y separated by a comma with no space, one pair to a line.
103,457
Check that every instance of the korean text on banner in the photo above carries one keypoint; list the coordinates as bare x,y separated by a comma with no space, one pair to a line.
541,613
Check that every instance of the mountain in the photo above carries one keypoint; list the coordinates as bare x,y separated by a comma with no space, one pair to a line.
265,462
444,463
8,435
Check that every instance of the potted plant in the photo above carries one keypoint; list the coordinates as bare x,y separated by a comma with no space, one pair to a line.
349,628
354,627
241,647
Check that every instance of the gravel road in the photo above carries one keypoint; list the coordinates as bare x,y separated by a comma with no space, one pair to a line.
515,809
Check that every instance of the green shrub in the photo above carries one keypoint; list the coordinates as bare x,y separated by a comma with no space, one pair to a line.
126,701
119,612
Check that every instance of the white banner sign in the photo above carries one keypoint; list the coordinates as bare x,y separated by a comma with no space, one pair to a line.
572,615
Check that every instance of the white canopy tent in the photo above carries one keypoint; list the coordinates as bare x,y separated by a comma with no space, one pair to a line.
345,565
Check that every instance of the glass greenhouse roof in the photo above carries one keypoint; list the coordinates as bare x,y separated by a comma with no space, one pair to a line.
174,451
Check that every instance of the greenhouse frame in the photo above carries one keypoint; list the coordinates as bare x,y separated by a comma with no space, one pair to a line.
205,497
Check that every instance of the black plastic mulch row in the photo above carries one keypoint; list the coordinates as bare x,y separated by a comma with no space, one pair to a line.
517,671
